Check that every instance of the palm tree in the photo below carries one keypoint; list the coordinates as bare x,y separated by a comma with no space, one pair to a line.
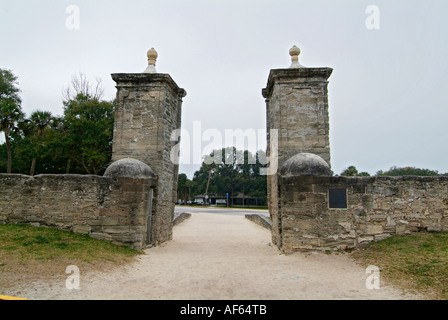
39,121
10,114
10,110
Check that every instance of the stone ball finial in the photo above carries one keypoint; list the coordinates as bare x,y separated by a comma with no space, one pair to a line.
152,57
294,52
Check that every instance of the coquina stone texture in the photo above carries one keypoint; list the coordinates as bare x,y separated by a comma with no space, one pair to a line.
133,203
377,207
110,209
297,108
148,111
299,189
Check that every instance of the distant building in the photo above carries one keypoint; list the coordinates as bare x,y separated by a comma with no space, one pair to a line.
239,199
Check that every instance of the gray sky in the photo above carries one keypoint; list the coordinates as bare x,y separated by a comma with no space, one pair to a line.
386,93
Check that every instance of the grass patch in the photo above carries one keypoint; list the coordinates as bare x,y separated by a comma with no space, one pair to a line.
415,262
33,253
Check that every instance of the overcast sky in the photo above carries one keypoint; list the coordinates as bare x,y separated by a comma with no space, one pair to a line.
386,94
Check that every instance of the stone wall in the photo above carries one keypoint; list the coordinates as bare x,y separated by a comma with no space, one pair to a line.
364,209
260,220
133,203
377,207
111,209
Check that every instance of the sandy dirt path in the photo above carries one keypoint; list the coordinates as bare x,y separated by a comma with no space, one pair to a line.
214,256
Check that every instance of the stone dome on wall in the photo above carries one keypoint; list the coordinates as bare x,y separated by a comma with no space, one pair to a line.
129,168
305,164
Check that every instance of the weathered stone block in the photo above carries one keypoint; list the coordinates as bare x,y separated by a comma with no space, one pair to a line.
116,229
373,229
379,237
362,239
101,236
82,228
298,196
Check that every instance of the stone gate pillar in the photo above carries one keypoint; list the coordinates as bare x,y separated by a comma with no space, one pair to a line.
148,109
297,107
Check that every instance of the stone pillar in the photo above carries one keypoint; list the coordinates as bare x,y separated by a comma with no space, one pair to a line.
297,107
148,110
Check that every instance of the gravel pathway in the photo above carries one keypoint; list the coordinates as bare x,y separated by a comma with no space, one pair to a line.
214,256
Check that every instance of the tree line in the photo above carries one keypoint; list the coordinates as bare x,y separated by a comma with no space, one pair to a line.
227,171
244,178
351,171
78,142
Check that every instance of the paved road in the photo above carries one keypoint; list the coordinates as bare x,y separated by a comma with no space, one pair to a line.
221,210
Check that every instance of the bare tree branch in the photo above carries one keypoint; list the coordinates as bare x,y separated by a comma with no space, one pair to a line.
81,85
